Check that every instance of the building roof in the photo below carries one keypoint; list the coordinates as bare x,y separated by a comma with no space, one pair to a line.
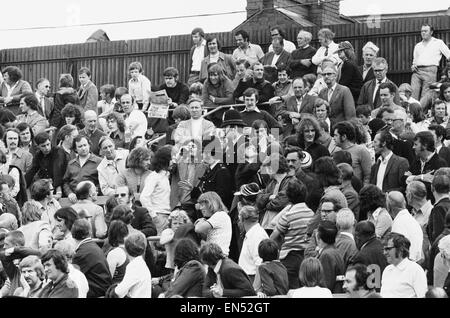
296,17
394,16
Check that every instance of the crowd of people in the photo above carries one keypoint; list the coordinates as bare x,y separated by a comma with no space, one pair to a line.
292,173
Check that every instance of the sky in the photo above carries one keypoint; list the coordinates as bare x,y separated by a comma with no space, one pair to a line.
72,13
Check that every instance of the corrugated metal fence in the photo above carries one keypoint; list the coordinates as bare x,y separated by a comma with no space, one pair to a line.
109,61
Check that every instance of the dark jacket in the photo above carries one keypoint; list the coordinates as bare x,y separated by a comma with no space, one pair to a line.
142,221
436,221
333,265
51,166
88,96
342,104
64,288
404,148
444,153
371,253
306,106
92,262
369,76
394,177
274,278
218,180
367,91
75,174
264,88
433,164
188,281
434,250
270,73
316,151
234,280
352,78
297,68
64,96
52,114
279,202
191,53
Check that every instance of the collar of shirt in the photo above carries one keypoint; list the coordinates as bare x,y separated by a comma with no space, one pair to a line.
403,264
217,267
256,109
402,212
88,239
332,88
387,158
348,234
438,148
424,209
393,135
18,152
254,228
428,158
442,198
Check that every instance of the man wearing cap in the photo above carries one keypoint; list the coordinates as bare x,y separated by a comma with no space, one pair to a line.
427,56
370,52
370,92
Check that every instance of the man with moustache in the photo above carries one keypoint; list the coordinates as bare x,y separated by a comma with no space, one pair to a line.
16,156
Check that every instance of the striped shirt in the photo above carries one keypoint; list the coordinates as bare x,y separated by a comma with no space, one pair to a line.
293,223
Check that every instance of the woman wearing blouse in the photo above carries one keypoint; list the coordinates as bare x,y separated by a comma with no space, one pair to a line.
13,88
215,225
115,255
217,90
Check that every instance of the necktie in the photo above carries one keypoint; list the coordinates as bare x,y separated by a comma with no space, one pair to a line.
326,51
43,106
376,97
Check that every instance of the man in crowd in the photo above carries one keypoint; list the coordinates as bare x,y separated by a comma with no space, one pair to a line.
16,156
135,120
427,56
387,95
87,93
300,62
328,48
246,50
273,59
276,32
300,103
370,51
252,111
46,107
357,282
91,130
197,53
345,242
29,106
42,195
436,222
347,189
395,124
439,135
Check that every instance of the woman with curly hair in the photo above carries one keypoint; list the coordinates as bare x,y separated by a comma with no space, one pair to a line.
116,129
138,168
373,208
71,115
308,133
189,273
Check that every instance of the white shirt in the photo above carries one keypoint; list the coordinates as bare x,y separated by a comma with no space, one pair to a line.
249,259
136,121
320,54
406,280
275,59
140,88
405,224
80,280
198,56
311,292
331,91
137,282
221,231
377,84
155,196
109,170
382,169
430,54
287,45
424,215
196,128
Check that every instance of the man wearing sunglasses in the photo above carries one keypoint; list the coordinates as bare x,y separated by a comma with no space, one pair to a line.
46,107
403,278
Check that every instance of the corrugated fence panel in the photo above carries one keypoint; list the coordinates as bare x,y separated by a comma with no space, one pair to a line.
109,61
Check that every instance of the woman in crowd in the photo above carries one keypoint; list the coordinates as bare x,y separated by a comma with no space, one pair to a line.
38,234
215,225
349,74
71,115
189,272
13,88
138,165
116,255
215,56
217,90
116,129
65,217
66,94
373,208
418,120
308,135
312,278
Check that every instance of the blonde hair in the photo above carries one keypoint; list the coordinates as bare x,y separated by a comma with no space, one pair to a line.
213,202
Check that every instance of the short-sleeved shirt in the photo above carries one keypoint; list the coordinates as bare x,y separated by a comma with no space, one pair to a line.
221,231
252,54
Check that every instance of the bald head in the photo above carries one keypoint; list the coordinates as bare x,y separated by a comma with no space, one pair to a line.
395,202
90,120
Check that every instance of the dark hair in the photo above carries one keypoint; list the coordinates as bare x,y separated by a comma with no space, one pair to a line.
83,192
283,67
442,89
211,253
211,38
31,101
137,156
371,198
85,70
6,116
439,130
361,275
426,139
68,214
416,112
250,91
81,229
161,159
437,102
14,73
71,110
65,80
327,232
134,142
117,232
181,112
186,250
119,92
388,85
291,149
441,183
21,127
296,191
41,138
401,244
386,137
40,189
108,89
342,156
171,72
65,131
347,129
365,229
327,172
118,119
268,250
244,34
383,110
122,212
364,110
199,31
243,61
79,138
58,258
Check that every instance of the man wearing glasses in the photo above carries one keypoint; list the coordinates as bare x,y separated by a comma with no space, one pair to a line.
370,92
403,278
46,107
342,105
